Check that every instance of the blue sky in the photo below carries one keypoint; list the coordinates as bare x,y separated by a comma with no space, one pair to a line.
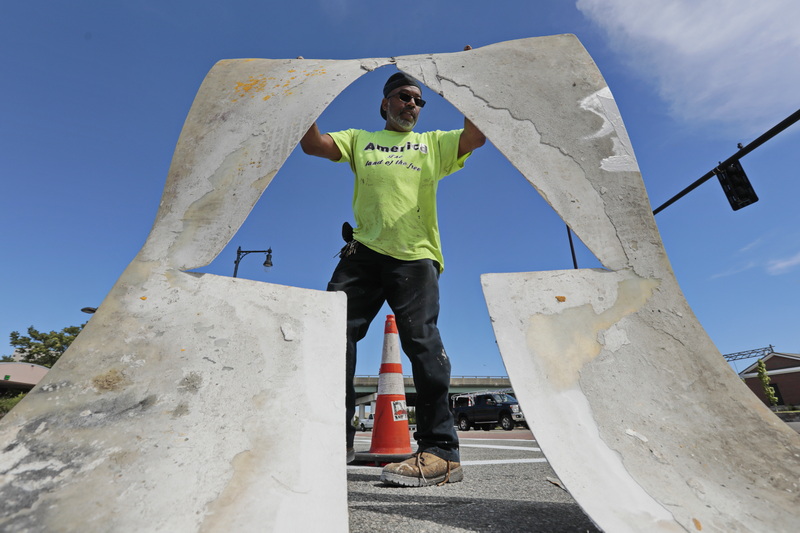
95,93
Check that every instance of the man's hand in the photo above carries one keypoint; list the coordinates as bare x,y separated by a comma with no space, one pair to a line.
470,139
315,143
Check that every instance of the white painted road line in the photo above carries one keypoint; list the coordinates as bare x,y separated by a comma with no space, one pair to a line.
497,447
364,467
487,446
462,439
503,461
463,463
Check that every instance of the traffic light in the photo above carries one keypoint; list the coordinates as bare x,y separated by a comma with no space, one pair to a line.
736,185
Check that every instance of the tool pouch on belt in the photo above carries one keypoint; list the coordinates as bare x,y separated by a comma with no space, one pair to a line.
352,244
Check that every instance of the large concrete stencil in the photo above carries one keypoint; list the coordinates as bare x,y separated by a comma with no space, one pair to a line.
169,411
636,410
193,402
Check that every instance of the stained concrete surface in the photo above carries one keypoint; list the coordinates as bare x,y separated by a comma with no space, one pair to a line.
613,361
161,415
170,425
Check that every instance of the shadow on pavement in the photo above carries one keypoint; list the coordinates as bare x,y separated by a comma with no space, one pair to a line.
392,510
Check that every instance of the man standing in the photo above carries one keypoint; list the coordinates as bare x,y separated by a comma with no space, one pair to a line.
395,256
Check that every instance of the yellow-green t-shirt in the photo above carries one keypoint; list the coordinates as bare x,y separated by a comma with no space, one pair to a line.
396,178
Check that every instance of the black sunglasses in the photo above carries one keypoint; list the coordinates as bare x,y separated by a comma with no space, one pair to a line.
405,97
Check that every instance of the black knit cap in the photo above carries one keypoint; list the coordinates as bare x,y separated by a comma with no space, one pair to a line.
398,79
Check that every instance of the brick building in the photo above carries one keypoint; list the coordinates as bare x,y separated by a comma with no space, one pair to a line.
783,370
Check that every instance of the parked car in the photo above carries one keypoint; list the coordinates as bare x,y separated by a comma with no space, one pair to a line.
366,423
487,409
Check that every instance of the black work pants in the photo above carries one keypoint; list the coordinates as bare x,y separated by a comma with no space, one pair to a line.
411,289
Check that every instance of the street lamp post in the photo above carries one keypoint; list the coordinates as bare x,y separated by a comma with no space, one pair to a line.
241,253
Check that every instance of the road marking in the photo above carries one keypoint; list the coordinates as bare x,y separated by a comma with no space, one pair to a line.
503,461
464,463
489,446
364,467
498,447
481,439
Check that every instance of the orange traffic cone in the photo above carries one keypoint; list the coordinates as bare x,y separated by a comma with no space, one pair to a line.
390,436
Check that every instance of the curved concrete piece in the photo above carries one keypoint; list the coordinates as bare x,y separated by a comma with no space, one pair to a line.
636,410
248,116
162,415
169,412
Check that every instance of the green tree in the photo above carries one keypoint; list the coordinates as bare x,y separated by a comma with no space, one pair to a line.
765,381
9,401
44,348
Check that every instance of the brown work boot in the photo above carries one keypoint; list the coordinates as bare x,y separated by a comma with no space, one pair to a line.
422,470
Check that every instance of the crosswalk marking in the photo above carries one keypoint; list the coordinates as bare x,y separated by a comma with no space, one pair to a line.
499,447
503,461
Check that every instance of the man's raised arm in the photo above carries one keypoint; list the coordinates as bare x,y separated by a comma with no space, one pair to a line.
470,139
315,143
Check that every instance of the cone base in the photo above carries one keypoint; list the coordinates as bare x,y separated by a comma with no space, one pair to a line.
379,459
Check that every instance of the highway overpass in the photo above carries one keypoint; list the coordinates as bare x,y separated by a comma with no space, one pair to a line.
367,386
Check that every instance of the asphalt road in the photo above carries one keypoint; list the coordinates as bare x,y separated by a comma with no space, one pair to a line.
508,487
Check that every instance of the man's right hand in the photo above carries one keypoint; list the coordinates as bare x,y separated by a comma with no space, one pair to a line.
315,143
